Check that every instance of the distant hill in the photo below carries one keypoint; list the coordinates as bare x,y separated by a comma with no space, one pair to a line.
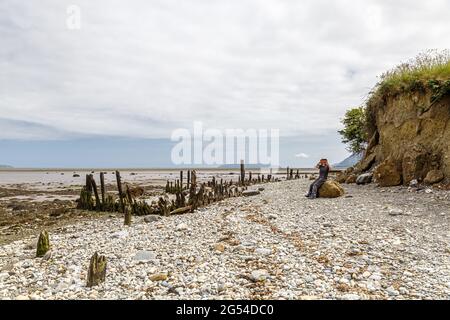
349,162
3,166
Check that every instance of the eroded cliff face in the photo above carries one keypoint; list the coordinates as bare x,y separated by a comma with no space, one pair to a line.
410,137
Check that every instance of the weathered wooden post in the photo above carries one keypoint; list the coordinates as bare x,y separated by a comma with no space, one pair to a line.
88,184
250,177
127,218
167,187
98,205
242,172
181,180
43,244
287,173
119,188
188,178
97,270
103,188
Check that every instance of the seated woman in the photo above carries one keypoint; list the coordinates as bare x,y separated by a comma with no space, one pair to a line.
324,168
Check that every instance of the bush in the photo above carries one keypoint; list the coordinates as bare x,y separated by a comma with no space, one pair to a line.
354,133
428,71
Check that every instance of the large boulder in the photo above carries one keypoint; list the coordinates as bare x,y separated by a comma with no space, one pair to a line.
351,179
364,178
434,176
387,174
341,177
331,189
344,175
417,162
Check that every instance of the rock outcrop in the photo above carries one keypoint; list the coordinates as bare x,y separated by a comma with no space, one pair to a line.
410,139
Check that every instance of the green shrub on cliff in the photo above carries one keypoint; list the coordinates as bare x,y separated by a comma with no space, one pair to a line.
428,71
354,133
425,70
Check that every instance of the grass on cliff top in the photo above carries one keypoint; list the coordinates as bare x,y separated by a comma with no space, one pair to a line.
430,70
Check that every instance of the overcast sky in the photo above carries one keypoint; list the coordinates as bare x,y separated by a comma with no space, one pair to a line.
140,69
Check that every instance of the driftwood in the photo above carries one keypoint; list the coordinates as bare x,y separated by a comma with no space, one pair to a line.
181,210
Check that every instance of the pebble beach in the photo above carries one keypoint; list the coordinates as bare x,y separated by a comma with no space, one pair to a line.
373,243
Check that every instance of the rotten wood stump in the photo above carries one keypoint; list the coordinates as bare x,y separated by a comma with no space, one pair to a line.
43,245
97,270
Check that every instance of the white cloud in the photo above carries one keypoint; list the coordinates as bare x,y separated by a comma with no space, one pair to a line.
143,68
302,155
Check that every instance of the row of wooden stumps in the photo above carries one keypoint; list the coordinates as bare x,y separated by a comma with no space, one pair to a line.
188,196
202,194
290,175
124,202
104,203
97,266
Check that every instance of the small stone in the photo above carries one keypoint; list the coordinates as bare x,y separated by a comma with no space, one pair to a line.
408,274
120,234
395,212
182,227
152,218
403,291
392,292
144,256
34,296
414,183
159,277
47,256
22,297
351,296
219,247
263,251
259,275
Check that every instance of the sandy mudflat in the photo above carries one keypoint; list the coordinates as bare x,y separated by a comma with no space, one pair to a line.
377,244
45,198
